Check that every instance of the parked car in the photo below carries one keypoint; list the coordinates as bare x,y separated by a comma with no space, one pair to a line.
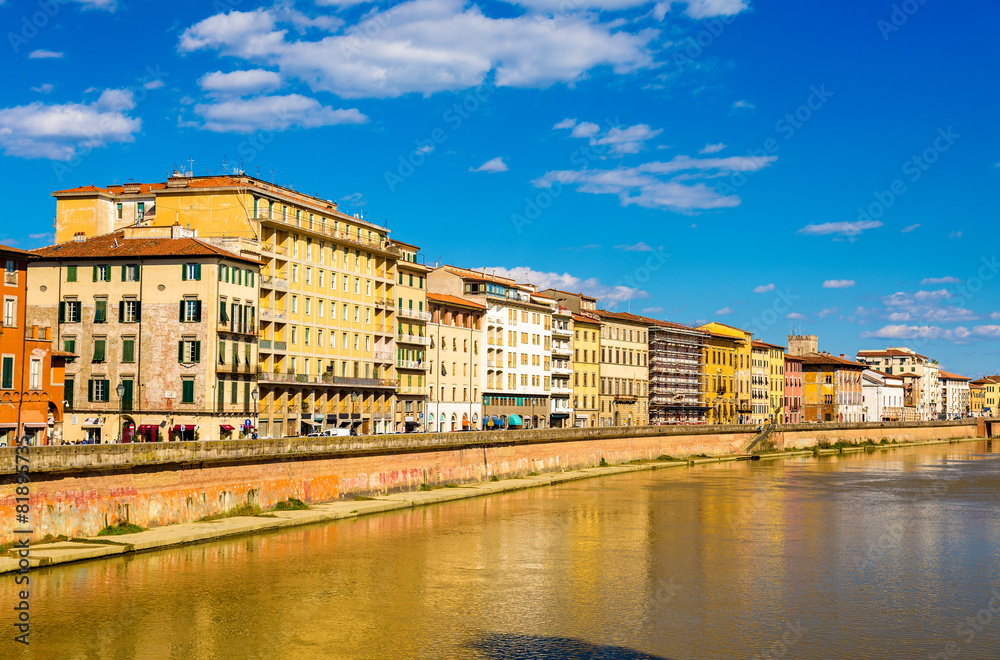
332,433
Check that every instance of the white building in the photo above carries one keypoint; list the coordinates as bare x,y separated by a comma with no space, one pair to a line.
882,397
561,410
923,373
956,398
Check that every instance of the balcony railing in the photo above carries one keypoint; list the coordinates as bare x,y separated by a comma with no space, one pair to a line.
272,314
264,344
561,390
491,363
561,349
411,364
384,303
562,332
338,234
562,370
628,398
383,356
415,390
413,339
405,313
271,282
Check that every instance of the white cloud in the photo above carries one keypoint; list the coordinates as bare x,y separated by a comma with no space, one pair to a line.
995,315
653,310
274,113
426,149
342,3
949,279
827,312
838,284
955,234
638,247
763,288
240,83
650,185
107,5
154,84
354,199
712,148
619,140
958,335
907,229
795,316
44,55
746,105
699,9
427,46
40,130
44,88
609,295
491,166
842,228
725,311
46,237
926,306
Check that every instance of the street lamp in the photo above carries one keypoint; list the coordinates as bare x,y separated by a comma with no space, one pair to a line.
354,398
120,390
255,394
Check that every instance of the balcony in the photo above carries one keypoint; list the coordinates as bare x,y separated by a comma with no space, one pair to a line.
561,349
275,377
561,391
264,344
562,332
491,363
271,248
383,356
411,364
359,382
626,398
384,303
384,330
561,370
412,390
272,282
413,339
413,314
272,314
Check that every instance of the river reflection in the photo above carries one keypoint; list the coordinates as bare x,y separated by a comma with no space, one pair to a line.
878,555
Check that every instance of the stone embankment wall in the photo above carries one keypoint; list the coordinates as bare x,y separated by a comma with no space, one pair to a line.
77,490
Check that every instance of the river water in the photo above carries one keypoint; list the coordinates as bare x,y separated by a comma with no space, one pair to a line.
891,554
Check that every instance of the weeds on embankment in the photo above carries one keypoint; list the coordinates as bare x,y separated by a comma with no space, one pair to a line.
120,527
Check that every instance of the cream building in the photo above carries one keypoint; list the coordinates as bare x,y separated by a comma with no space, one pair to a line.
585,346
921,373
956,400
563,368
517,337
168,319
412,339
327,322
624,372
455,362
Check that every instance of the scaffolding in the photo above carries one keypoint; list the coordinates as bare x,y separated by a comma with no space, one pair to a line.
677,378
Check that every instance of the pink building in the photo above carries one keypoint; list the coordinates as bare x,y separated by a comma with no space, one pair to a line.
793,389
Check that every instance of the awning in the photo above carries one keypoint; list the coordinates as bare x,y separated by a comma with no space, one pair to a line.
147,427
91,422
309,422
34,425
34,418
226,427
4,425
183,427
514,420
497,421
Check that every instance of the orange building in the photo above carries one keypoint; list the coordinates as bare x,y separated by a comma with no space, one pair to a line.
31,373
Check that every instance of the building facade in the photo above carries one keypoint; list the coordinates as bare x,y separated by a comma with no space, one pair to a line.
585,353
831,389
327,325
624,372
727,361
412,339
561,414
164,327
793,389
676,374
956,400
899,360
882,397
977,398
31,367
455,362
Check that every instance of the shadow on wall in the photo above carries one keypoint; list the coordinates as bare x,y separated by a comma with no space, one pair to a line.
499,646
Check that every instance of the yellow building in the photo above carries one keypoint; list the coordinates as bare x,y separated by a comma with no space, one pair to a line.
767,381
586,365
728,374
624,370
977,399
327,323
168,319
454,357
990,396
412,338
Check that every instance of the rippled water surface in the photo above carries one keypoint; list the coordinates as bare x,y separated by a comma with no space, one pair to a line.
891,554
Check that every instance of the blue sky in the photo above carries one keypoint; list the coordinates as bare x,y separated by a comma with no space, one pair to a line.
828,166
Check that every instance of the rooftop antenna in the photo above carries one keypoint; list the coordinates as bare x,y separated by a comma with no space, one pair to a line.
258,171
191,165
272,176
225,164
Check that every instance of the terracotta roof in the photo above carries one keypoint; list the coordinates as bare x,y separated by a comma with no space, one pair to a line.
82,189
793,358
62,354
987,379
885,375
103,247
764,344
947,375
819,359
625,317
890,353
579,295
453,300
6,249
585,319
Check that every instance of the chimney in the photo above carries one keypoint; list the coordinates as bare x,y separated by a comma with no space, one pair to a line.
45,333
34,332
842,356
79,237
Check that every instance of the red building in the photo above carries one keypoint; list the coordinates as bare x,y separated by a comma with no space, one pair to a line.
793,389
31,373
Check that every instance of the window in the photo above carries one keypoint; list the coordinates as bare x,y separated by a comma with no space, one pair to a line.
319,275
140,211
187,390
190,272
7,373
190,311
295,304
130,273
308,306
128,311
99,350
68,387
100,311
102,273
309,275
295,273
128,349
98,390
10,312
118,207
71,273
35,375
69,344
189,351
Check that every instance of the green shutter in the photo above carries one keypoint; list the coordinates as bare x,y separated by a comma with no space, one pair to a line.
180,351
8,373
99,350
95,273
68,386
124,276
71,273
62,312
222,392
182,312
246,391
128,350
90,390
138,310
107,390
220,272
121,309
187,391
138,272
197,311
197,271
184,272
196,351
